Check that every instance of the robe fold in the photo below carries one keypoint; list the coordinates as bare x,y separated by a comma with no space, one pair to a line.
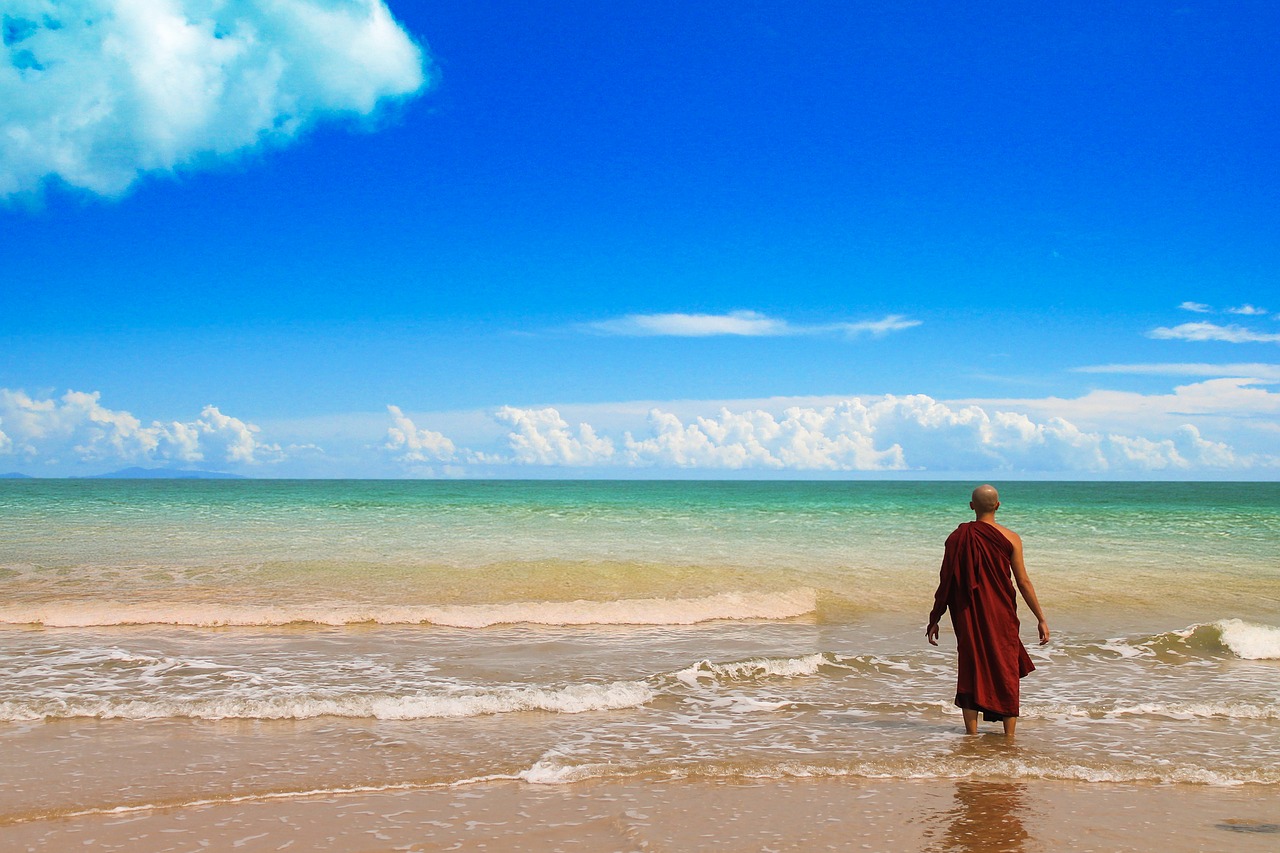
976,585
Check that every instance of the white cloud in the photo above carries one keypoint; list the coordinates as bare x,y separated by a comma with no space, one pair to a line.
411,444
739,323
1201,427
77,424
1184,450
1231,406
542,437
1213,332
1248,310
1197,307
891,323
1258,371
98,92
914,432
746,323
230,438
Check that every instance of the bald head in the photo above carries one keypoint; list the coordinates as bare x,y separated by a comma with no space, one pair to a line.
985,500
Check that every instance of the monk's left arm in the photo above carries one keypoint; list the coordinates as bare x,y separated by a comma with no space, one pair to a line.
1028,591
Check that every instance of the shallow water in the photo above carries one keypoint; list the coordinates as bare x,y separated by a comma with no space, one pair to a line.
247,639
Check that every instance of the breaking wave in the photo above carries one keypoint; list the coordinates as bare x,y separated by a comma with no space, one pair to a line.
1240,639
466,702
640,611
245,695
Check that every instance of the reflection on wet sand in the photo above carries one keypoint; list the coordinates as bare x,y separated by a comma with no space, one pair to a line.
985,815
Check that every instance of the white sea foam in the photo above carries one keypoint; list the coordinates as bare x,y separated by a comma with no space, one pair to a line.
641,611
1170,710
1250,641
752,669
460,702
548,771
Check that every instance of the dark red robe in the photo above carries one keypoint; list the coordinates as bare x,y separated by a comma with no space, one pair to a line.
976,584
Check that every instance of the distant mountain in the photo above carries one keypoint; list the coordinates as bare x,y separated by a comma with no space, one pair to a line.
136,473
14,475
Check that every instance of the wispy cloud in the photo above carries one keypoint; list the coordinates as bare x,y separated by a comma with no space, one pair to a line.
742,323
1259,371
1197,307
738,323
891,323
98,92
1248,310
1213,332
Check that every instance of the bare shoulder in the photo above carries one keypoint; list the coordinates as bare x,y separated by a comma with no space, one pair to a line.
1013,538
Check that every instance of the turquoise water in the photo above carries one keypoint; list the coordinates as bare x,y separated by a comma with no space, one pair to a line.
246,636
1197,549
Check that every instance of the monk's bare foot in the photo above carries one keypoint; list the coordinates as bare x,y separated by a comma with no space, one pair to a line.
970,721
1010,723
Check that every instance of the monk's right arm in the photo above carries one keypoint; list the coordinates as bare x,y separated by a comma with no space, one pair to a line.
1023,580
939,604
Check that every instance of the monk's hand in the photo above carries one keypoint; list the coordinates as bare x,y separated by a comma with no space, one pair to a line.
1042,627
931,633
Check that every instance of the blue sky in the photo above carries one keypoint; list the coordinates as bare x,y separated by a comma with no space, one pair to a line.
348,238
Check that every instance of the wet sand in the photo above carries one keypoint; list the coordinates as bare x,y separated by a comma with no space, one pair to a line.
746,815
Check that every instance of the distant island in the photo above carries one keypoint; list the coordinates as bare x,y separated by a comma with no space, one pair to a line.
136,473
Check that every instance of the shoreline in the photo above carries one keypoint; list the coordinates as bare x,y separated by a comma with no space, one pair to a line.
742,814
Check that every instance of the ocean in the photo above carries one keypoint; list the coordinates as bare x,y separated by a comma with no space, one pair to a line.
174,644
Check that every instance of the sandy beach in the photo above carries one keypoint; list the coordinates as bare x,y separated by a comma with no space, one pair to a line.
794,814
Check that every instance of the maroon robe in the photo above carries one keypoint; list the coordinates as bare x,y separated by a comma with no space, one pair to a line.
977,585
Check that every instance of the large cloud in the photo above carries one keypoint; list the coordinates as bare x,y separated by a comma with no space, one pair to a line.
1227,400
830,438
542,437
913,432
97,92
77,429
408,443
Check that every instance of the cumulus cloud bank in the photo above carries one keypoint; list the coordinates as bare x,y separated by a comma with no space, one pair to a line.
76,427
889,433
739,323
76,433
97,92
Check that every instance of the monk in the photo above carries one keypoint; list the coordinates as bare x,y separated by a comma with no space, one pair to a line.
975,585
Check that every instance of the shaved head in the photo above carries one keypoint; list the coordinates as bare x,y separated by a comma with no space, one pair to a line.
985,499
